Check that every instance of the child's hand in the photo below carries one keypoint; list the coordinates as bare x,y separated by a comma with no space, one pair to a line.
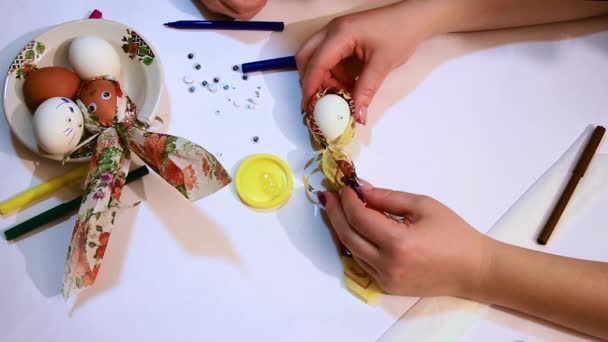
239,9
432,252
357,51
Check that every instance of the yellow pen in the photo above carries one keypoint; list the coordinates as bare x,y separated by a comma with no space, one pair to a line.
39,191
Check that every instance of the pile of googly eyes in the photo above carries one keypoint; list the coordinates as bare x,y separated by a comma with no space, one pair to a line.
232,92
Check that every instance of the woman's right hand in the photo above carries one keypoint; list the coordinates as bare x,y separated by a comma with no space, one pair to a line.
357,51
432,251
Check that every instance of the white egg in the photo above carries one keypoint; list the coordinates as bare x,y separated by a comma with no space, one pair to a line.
332,114
58,125
91,56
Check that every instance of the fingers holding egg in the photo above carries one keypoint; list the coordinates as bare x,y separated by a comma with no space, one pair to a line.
332,112
58,125
331,121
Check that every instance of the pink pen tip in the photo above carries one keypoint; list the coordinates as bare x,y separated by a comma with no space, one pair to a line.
96,14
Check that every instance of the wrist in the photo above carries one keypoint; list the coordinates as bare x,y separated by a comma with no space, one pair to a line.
430,17
477,283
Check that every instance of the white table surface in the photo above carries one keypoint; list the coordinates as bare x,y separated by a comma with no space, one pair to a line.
498,86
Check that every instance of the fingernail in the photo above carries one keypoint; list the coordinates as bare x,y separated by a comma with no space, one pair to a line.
322,198
365,185
363,115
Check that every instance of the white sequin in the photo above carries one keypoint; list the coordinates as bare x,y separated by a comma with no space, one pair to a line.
188,79
213,87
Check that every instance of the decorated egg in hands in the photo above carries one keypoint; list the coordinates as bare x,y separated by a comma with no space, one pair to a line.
331,121
91,57
332,115
58,125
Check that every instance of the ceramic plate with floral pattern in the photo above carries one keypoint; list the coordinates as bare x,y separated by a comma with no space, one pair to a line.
141,72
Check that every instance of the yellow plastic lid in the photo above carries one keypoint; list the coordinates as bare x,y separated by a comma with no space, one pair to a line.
264,181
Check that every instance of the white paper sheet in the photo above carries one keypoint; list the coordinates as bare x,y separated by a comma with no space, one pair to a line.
475,131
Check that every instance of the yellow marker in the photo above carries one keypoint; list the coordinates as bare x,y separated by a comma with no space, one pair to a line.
39,191
264,181
358,281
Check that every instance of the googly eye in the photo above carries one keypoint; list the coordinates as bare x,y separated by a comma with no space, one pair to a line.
106,95
92,107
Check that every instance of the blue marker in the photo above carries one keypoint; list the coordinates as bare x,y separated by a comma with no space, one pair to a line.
227,25
288,63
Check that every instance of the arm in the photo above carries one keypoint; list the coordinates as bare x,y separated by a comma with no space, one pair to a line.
478,15
570,292
434,252
357,51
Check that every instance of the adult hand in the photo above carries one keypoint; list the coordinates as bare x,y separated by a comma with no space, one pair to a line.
239,9
432,252
356,52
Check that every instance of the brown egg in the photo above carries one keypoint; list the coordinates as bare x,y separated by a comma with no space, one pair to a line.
49,82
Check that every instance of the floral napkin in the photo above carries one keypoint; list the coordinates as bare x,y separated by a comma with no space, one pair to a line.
188,167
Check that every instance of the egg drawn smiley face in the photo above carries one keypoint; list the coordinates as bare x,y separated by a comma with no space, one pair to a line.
58,125
99,97
72,118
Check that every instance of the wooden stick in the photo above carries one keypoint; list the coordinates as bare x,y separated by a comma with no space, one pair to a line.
579,171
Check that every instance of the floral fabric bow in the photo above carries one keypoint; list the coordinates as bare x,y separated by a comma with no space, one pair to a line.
110,116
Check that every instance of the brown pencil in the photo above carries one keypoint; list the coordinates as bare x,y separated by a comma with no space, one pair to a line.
578,173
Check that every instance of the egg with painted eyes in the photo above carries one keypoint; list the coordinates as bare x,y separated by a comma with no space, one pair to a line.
100,98
58,125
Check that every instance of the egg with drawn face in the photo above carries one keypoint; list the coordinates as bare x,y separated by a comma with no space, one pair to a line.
99,97
58,125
